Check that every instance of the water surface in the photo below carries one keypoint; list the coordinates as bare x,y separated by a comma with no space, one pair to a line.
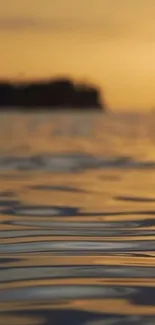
77,219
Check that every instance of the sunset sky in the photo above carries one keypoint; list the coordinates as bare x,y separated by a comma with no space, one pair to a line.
108,42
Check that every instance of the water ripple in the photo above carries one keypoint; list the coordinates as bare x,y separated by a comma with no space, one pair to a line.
78,246
86,258
78,317
38,210
71,162
80,271
57,292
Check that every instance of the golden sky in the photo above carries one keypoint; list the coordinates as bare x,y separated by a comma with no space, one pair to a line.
109,42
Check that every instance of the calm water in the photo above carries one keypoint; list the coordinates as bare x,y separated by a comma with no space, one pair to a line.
77,219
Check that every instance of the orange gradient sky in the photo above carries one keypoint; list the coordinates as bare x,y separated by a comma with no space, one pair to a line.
109,42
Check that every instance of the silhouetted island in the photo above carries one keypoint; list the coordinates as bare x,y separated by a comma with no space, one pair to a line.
56,93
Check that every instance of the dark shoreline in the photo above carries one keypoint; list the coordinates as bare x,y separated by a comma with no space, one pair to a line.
57,94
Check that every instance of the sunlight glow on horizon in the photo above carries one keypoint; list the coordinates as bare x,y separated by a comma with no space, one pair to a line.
108,42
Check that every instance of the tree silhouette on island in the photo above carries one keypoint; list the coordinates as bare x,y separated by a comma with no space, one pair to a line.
60,93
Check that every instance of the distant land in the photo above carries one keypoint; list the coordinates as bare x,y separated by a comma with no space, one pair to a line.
60,93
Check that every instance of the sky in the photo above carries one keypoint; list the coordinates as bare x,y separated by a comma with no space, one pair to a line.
107,42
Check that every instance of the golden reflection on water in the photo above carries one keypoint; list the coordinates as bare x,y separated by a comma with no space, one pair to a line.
77,201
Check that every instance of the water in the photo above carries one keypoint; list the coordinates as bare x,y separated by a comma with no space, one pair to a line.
77,219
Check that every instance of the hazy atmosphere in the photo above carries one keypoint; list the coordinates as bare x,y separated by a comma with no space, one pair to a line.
77,162
108,42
